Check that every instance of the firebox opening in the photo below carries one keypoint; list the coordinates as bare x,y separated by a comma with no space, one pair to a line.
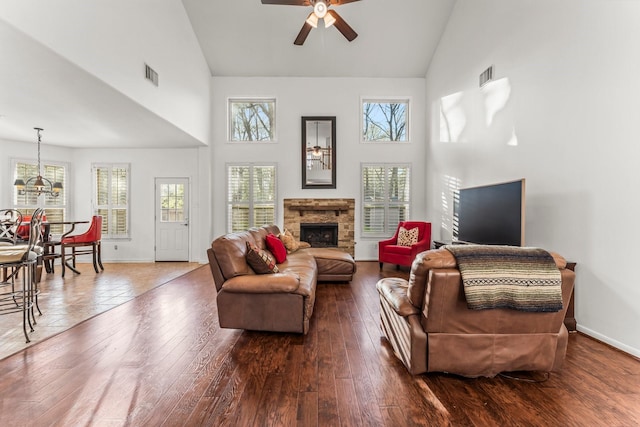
324,235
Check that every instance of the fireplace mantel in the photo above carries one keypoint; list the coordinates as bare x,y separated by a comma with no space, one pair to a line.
337,208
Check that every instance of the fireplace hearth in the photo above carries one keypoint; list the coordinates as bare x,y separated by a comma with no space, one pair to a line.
319,235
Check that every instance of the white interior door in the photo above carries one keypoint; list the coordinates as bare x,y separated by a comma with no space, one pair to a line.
172,219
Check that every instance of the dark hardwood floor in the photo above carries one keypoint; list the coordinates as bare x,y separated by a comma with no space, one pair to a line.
162,359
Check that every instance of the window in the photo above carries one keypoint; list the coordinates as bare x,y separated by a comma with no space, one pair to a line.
111,199
385,197
26,203
251,196
385,120
252,120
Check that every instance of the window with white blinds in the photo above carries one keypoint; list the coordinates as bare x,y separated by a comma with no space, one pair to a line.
111,199
386,198
251,196
55,207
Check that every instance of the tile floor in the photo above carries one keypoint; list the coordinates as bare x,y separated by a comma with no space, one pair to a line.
65,302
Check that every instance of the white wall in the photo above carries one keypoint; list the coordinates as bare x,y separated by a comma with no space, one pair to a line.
113,40
565,117
146,165
297,97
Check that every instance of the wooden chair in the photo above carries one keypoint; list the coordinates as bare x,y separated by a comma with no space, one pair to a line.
83,244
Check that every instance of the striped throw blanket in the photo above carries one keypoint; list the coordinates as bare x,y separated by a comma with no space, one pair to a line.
524,279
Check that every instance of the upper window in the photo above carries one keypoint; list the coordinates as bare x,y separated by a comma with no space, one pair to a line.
251,196
386,198
26,202
252,120
385,120
111,199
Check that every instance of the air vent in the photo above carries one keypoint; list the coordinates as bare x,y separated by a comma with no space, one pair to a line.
486,76
150,74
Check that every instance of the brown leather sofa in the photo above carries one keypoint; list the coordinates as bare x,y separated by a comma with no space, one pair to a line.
280,302
430,328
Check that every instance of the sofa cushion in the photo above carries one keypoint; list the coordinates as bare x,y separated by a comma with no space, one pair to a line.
397,249
290,242
276,247
408,237
260,261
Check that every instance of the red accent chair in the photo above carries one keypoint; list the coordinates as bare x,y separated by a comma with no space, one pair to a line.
390,252
89,240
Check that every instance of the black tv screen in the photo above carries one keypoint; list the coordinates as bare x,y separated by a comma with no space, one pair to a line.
491,214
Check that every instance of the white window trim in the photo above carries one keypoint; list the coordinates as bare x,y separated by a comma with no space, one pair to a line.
368,234
40,203
226,192
232,99
95,207
390,100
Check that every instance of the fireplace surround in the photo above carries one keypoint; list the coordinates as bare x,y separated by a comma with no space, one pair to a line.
323,211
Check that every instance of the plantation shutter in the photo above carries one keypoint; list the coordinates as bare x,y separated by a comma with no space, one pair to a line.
386,198
250,196
373,183
55,207
111,199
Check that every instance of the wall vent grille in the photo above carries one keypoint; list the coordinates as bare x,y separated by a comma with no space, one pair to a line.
486,76
150,74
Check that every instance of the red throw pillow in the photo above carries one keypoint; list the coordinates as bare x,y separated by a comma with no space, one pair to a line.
276,247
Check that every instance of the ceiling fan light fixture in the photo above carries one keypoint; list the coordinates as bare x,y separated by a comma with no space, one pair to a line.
317,151
320,8
329,20
312,20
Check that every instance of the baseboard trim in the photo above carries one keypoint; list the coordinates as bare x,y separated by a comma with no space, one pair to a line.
610,341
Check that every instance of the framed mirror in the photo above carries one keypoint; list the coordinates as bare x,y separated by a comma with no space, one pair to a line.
319,152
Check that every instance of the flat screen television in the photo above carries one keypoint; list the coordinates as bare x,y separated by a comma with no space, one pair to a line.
490,214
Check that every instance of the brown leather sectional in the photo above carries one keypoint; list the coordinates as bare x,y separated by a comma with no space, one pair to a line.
430,328
280,302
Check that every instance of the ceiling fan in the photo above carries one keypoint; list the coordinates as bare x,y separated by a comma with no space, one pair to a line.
320,11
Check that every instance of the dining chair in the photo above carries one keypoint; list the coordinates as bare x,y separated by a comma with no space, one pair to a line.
10,220
82,244
24,258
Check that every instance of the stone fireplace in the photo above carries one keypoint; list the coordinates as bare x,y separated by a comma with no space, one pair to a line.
324,217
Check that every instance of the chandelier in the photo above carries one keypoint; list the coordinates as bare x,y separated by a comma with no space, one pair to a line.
40,184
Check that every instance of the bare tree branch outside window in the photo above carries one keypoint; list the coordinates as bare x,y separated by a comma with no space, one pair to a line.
252,120
385,121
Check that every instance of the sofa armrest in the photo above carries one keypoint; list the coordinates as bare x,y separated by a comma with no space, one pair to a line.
262,283
394,291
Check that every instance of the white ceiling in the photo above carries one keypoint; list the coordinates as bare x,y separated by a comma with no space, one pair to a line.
238,38
246,38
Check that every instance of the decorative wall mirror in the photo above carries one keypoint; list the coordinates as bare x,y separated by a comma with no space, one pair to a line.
319,152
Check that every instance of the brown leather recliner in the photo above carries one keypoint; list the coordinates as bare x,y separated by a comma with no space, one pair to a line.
430,328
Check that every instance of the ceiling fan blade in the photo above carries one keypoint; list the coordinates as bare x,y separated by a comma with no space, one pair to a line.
342,26
288,2
302,35
341,2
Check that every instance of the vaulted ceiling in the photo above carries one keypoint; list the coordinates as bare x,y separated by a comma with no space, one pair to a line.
396,38
238,38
